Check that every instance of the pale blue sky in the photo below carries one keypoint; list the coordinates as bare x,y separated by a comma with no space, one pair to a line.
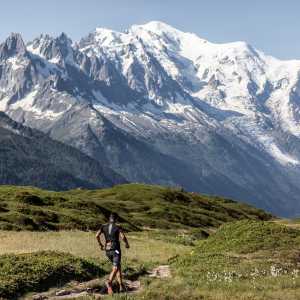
270,25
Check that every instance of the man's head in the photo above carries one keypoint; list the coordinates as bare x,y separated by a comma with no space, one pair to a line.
113,218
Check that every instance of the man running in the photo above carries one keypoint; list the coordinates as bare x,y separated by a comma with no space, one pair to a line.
112,234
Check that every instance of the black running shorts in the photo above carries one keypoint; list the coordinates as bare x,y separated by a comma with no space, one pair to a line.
114,256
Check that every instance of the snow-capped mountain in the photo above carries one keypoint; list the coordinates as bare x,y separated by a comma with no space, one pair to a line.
163,106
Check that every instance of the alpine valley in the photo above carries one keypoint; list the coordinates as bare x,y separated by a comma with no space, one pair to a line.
160,106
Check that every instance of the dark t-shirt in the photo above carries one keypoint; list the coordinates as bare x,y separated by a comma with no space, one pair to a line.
112,235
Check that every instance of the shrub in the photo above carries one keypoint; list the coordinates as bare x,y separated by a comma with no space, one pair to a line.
39,271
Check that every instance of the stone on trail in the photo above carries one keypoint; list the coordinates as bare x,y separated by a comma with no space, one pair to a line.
161,272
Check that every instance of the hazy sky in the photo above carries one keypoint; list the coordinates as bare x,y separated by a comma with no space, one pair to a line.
270,25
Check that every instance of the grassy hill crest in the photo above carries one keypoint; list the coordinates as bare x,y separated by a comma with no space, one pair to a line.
138,205
248,236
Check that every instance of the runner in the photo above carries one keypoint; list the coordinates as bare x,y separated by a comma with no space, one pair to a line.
112,234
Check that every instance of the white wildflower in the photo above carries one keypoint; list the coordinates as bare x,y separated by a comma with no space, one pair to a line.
275,272
295,273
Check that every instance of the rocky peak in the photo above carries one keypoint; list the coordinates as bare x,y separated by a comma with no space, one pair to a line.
58,49
13,45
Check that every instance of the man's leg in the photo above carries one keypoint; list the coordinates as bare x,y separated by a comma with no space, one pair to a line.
120,279
117,263
113,274
111,279
110,256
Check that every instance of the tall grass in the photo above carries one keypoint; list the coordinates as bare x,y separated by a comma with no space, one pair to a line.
83,244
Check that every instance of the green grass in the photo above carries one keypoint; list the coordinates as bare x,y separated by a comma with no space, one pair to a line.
139,206
145,253
218,249
254,260
249,236
221,267
39,271
244,260
145,248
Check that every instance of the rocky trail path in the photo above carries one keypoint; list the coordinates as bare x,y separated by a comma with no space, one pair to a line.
96,288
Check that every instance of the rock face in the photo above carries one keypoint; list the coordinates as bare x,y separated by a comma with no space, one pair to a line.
29,157
162,106
13,46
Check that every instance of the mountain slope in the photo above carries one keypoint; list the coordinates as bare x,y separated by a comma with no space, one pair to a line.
28,157
137,205
163,106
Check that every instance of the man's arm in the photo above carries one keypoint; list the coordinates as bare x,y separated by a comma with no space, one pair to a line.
124,238
98,237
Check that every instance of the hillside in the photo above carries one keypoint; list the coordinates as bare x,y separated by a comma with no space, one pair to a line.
30,157
242,260
248,236
137,205
245,259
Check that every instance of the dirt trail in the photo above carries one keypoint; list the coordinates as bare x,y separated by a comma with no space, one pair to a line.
96,288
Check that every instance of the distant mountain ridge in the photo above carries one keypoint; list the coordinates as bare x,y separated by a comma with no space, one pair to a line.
162,106
29,157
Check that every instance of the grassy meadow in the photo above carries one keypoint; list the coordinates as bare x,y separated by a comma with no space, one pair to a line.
231,251
144,249
241,260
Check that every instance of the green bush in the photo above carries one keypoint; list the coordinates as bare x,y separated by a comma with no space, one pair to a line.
39,271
